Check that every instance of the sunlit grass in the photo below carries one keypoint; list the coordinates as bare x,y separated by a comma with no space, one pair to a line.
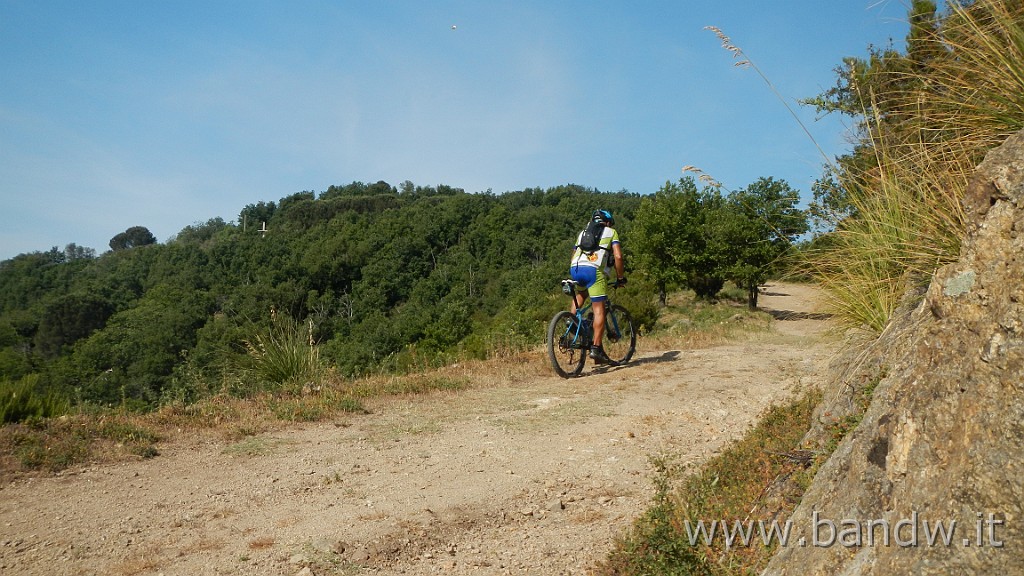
688,322
909,221
908,218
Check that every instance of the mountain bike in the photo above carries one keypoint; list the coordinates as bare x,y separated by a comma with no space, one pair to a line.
570,335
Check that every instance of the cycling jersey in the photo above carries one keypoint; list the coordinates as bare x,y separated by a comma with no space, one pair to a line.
585,269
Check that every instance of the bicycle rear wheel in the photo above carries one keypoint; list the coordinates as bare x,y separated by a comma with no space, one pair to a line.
566,345
619,335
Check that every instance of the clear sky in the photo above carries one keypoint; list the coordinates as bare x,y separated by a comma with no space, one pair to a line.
163,114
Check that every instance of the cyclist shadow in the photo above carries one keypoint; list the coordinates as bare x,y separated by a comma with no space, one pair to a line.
669,356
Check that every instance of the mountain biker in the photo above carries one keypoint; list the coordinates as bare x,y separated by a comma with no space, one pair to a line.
587,270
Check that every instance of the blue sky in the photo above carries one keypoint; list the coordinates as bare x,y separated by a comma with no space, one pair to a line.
162,114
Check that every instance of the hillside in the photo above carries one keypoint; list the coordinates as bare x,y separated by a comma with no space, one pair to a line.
381,279
522,473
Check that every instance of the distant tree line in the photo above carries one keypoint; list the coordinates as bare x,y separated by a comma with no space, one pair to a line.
382,278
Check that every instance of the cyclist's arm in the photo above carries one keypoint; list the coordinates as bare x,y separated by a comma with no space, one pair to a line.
620,268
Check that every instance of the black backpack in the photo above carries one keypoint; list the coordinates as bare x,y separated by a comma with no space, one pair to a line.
590,240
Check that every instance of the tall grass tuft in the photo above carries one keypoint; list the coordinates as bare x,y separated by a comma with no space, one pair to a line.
908,221
907,217
285,356
979,94
22,401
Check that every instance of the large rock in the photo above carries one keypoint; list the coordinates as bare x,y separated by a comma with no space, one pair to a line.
943,438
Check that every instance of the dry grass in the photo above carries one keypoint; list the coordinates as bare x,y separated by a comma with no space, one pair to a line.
908,218
148,562
687,323
909,222
202,544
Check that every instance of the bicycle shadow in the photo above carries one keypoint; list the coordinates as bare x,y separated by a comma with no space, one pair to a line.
791,315
669,356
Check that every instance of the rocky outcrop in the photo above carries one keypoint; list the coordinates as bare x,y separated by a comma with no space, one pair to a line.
932,479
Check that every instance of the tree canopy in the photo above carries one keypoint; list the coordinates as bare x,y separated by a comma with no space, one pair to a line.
132,237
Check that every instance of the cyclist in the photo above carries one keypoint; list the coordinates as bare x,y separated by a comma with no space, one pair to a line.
587,270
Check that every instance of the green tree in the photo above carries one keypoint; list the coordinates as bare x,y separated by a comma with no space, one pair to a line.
671,239
255,214
14,352
133,357
653,237
200,233
757,226
882,94
74,252
69,319
132,238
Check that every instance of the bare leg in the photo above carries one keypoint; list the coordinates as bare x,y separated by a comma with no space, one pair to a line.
581,295
598,322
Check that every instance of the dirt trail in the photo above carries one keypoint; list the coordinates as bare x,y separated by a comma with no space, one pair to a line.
526,476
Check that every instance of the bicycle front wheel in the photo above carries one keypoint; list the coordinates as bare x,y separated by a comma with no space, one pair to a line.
619,335
566,347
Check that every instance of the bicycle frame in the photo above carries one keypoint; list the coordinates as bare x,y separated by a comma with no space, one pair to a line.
569,288
571,334
583,333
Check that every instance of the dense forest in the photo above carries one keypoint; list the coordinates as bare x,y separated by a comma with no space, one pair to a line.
357,279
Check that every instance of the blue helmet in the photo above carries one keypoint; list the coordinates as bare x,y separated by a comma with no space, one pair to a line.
604,217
